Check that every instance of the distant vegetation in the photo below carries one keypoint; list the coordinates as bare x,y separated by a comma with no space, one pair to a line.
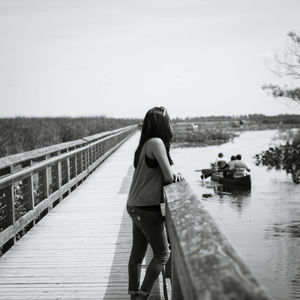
259,119
23,134
214,130
202,137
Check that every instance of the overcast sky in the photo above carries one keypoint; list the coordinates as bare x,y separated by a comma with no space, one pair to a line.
120,58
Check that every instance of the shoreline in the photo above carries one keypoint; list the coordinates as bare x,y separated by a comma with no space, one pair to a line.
196,144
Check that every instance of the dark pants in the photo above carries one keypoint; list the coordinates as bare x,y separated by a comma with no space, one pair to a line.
148,227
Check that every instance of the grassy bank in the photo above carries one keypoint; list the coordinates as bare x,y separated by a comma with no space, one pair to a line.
201,138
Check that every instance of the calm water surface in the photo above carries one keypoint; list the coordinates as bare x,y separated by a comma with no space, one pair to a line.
264,224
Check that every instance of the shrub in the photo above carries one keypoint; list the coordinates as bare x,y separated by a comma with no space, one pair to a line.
283,157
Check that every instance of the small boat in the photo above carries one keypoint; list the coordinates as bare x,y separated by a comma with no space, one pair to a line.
217,177
240,182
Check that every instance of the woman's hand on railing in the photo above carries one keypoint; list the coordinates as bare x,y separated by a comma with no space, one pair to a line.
177,177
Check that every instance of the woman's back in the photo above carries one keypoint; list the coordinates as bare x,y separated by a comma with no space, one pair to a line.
240,169
147,183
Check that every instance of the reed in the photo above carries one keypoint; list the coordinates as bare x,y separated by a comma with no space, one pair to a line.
22,134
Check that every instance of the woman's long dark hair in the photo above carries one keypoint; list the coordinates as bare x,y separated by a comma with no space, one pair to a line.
156,124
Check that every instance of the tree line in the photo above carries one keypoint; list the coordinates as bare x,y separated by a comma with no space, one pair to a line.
256,118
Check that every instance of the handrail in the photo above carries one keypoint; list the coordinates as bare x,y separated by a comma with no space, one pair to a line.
21,174
204,264
18,158
29,188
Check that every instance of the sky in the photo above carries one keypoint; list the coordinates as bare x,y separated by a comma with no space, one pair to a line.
121,57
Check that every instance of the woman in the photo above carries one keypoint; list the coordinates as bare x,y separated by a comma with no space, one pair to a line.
152,164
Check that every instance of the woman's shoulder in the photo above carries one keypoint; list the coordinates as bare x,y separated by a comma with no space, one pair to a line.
155,144
155,141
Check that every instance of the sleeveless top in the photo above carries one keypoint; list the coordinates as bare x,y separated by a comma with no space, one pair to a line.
239,169
147,184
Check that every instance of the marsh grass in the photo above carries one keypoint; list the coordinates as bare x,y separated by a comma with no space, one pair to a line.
22,134
202,137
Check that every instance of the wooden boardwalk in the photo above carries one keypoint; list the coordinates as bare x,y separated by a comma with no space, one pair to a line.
80,249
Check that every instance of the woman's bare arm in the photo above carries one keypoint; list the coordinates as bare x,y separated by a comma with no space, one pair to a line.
156,149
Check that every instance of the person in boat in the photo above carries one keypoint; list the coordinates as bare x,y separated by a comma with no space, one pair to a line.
239,167
221,162
221,165
230,167
218,166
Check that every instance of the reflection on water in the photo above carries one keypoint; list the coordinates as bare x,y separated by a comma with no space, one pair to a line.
237,198
264,223
279,230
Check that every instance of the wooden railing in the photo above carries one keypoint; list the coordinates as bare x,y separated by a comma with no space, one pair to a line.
204,265
31,183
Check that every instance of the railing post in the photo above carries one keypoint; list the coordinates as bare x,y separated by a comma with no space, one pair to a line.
79,163
11,215
97,151
91,155
75,168
59,177
68,170
94,153
30,190
87,158
81,168
101,149
46,185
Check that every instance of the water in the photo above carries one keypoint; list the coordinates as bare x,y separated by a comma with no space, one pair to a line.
264,224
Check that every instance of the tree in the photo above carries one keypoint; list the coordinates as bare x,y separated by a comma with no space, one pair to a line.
287,66
285,157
